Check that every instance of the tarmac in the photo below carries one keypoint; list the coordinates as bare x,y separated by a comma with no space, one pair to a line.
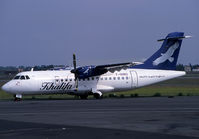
150,117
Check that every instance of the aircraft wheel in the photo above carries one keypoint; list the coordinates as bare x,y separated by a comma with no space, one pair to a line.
17,97
97,96
84,96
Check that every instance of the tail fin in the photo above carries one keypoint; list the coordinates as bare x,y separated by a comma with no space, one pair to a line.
166,57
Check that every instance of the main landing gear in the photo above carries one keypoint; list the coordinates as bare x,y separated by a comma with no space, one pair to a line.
97,96
84,96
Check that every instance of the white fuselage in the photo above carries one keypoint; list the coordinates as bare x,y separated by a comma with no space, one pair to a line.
63,81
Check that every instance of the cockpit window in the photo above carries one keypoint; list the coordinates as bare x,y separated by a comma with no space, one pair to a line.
16,77
27,77
22,78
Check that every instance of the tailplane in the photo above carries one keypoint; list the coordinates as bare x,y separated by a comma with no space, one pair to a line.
166,57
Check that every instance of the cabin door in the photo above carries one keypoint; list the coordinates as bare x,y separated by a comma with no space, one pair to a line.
134,79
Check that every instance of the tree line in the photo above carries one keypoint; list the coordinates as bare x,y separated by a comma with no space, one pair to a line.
16,69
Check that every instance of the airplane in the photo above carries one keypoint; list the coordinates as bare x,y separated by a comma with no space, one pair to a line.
97,80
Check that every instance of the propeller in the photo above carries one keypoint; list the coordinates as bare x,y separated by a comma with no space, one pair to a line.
75,71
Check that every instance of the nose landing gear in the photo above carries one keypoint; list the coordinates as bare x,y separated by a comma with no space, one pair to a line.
17,97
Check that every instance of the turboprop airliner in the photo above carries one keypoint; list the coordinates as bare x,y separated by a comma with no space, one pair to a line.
97,80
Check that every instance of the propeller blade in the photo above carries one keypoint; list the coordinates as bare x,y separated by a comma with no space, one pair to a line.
74,62
75,71
76,83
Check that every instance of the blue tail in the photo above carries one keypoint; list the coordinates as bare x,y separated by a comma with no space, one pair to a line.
166,57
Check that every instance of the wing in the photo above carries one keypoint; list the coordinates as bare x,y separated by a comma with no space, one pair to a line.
116,67
90,71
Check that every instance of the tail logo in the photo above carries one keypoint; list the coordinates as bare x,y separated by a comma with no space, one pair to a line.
167,55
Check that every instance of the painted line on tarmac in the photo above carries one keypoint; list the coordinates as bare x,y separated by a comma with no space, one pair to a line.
90,112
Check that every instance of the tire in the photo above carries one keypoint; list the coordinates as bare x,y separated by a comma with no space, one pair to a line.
84,96
97,96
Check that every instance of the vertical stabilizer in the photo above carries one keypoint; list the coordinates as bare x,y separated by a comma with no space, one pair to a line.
166,57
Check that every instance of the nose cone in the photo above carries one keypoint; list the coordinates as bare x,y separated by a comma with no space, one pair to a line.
5,87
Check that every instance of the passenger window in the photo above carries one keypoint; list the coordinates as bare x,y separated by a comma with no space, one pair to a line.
110,78
70,79
92,78
88,79
16,77
105,78
118,78
127,78
66,80
62,80
114,78
83,79
22,78
101,78
97,78
27,77
122,78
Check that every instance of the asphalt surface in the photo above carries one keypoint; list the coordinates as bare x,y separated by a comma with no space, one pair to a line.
155,117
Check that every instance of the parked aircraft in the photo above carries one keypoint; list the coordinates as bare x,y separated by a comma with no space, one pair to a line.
97,80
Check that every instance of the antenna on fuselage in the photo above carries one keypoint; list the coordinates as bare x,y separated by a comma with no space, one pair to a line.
32,69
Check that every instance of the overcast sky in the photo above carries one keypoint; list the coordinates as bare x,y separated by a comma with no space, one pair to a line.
36,32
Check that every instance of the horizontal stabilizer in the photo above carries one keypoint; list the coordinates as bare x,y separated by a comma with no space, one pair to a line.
174,38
